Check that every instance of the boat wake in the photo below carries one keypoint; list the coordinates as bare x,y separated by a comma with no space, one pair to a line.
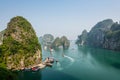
59,67
70,58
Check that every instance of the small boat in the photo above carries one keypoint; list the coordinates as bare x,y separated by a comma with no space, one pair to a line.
35,68
26,69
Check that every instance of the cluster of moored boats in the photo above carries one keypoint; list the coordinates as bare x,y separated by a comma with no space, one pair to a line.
48,62
36,68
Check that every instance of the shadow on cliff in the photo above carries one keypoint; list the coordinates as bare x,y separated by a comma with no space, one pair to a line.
7,74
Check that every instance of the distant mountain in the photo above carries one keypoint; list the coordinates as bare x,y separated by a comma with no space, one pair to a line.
82,38
20,46
48,42
105,34
48,38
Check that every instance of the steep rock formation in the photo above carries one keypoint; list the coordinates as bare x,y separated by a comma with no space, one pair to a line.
105,34
97,33
47,41
62,42
82,38
20,46
112,38
65,42
56,43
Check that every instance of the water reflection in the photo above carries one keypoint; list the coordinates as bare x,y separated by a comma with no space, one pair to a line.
30,75
50,74
102,56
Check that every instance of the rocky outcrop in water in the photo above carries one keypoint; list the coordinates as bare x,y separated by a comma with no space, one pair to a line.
57,43
62,42
65,42
20,46
105,34
82,38
46,41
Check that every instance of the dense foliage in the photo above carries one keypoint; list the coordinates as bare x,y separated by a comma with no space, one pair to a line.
20,43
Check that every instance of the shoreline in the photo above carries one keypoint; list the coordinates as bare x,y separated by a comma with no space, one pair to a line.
48,62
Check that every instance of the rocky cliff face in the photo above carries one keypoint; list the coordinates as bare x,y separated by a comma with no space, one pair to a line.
104,34
112,38
65,42
82,38
47,41
97,33
20,46
1,37
56,43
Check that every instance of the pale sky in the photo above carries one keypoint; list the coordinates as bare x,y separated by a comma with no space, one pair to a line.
60,17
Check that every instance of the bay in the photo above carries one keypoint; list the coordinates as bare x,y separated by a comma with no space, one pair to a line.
79,63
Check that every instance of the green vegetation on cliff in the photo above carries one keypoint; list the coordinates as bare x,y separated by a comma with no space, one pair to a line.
20,46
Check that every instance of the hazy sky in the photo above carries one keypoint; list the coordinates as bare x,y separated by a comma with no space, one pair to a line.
60,17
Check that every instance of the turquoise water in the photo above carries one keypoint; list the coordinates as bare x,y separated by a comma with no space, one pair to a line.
81,63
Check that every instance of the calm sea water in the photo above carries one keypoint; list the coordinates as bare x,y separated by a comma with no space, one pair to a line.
81,63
